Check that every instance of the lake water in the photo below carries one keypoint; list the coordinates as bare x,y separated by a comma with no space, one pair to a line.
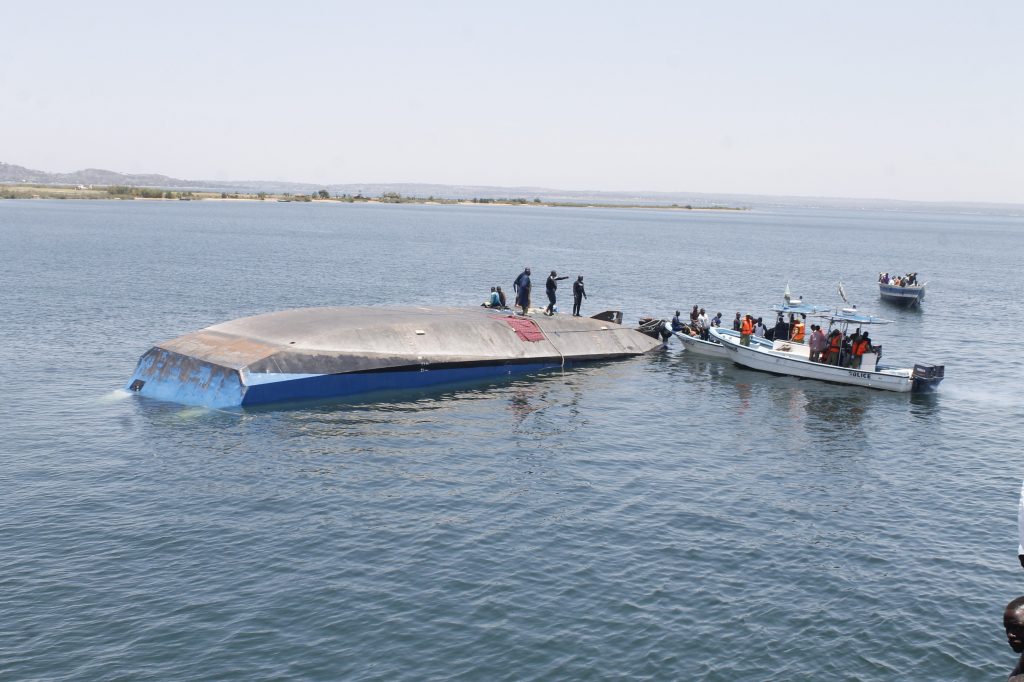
665,517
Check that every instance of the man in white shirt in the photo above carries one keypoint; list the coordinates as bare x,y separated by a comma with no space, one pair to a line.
759,329
703,324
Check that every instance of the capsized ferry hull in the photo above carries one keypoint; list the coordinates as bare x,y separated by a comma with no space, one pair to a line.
311,353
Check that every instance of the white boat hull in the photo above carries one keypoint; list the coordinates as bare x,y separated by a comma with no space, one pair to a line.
714,349
695,345
780,362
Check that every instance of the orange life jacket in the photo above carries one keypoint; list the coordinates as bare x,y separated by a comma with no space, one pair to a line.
798,332
835,344
747,327
861,347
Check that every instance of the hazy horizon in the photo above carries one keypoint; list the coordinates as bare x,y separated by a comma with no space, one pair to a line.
916,101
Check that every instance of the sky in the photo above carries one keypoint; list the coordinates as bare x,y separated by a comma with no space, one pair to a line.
899,99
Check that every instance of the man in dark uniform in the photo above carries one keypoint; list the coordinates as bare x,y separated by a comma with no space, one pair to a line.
522,288
578,294
781,330
550,286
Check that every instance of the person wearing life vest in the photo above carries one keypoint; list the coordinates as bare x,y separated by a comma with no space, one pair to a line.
861,346
746,329
835,346
798,332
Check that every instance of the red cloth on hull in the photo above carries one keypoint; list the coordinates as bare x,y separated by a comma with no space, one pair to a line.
525,329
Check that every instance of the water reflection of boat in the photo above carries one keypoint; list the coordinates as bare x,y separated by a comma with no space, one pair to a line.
793,359
837,412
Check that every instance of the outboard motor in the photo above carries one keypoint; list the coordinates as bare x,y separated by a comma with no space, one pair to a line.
654,328
927,377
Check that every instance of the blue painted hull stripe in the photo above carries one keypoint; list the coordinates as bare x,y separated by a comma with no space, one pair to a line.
340,385
163,380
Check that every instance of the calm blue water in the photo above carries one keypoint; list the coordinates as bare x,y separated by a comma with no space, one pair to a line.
660,518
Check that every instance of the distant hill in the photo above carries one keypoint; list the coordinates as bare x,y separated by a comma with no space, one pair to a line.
89,176
10,173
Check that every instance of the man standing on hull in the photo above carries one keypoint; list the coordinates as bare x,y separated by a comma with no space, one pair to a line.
522,288
551,285
578,294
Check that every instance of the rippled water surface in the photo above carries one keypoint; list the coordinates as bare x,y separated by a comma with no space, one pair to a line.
666,517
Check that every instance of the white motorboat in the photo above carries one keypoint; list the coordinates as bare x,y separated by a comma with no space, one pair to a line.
793,359
712,347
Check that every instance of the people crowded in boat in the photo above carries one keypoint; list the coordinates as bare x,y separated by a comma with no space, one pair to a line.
840,349
699,325
697,329
908,280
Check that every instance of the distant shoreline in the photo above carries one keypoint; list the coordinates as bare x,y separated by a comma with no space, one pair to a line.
130,193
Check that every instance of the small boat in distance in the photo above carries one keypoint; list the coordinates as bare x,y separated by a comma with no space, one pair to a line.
903,291
793,359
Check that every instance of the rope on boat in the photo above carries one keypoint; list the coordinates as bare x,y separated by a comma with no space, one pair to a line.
557,350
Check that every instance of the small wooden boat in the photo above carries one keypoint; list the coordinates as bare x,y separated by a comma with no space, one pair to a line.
902,294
